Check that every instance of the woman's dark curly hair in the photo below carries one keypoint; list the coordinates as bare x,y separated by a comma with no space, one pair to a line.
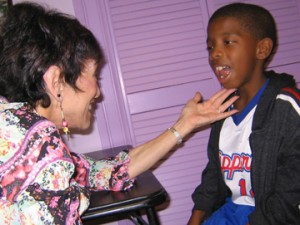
31,40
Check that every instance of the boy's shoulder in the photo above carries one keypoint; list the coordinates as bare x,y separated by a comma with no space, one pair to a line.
285,84
292,92
290,95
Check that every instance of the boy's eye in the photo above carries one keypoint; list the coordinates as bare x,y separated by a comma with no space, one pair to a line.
227,42
209,48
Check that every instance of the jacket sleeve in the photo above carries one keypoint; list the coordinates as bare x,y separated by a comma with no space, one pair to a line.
212,192
280,204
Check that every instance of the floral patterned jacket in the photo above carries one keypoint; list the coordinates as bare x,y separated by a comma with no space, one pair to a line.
41,181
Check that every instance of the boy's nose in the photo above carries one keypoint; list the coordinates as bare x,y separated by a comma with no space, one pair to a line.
215,53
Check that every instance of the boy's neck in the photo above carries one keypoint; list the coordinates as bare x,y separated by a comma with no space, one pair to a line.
246,93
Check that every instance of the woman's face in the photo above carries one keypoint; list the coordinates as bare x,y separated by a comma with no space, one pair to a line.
78,106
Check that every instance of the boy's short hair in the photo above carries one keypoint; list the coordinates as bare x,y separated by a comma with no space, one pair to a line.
253,18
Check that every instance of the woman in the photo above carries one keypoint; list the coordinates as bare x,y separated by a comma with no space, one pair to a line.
49,66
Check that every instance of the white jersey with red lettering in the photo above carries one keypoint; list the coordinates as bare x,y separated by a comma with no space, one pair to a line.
235,152
235,156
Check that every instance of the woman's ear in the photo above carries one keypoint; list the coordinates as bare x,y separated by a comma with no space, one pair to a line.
53,81
264,48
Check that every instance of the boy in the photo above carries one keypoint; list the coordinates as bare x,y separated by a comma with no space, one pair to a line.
253,173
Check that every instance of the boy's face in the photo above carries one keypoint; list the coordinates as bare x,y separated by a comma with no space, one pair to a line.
232,53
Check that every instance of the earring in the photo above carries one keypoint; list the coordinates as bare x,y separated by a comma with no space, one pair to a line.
64,123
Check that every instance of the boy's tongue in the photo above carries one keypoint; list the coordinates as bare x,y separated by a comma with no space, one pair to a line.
224,72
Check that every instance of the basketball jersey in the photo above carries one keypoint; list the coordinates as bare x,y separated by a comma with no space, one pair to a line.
235,153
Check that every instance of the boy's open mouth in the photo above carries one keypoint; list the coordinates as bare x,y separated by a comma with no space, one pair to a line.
223,71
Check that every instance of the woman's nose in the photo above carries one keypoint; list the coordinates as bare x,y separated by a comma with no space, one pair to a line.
98,93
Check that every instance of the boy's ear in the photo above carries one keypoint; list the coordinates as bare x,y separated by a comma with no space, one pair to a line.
264,48
52,79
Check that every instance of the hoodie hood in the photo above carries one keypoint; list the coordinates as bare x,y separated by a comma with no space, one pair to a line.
281,80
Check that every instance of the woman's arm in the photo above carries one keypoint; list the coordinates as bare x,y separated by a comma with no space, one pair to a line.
195,114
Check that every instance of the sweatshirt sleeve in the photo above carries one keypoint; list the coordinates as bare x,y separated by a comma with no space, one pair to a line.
212,191
280,204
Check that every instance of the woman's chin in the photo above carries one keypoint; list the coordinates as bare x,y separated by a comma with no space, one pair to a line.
81,126
84,126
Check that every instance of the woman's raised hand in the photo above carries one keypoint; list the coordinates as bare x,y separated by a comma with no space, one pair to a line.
198,113
195,114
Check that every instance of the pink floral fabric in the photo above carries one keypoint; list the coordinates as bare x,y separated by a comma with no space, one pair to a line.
41,181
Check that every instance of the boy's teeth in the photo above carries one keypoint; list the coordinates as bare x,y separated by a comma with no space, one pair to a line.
223,71
219,68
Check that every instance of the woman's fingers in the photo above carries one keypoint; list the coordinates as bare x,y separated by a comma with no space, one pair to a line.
214,109
197,97
222,95
227,104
